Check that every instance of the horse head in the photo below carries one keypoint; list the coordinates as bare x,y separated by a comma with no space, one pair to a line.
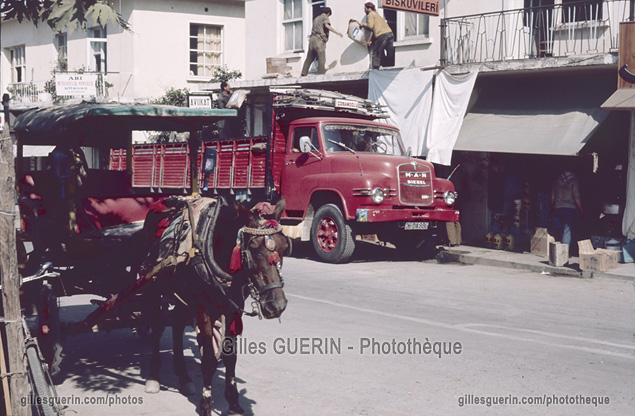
262,248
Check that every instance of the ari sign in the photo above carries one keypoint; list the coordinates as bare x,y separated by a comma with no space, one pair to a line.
418,6
76,84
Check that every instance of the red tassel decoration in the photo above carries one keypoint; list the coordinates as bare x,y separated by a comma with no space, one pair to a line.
235,263
274,258
236,327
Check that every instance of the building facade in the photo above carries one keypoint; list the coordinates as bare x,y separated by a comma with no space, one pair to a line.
172,44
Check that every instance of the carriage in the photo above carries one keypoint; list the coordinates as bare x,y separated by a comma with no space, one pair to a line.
82,221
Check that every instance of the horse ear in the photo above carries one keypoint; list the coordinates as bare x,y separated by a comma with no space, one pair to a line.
280,206
250,219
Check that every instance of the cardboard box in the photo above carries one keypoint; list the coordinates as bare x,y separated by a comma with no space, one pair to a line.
540,242
357,33
596,260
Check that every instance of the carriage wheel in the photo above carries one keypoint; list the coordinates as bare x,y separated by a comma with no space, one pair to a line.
332,238
49,332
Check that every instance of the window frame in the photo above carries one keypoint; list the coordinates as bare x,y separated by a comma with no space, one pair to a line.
61,46
220,52
293,21
584,10
91,63
17,61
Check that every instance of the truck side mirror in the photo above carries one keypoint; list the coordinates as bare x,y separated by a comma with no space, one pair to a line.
409,152
305,144
307,147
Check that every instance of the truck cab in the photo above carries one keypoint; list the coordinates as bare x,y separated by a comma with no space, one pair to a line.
347,176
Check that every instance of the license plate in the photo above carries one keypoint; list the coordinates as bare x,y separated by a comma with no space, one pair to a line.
417,225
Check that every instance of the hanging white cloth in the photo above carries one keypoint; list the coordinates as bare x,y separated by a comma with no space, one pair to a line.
407,95
451,97
628,222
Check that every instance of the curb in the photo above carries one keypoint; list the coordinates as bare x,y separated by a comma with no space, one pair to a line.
446,256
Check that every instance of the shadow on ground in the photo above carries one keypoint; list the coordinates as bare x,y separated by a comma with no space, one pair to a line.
114,362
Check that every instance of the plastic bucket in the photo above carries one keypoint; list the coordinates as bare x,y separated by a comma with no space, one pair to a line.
628,251
615,245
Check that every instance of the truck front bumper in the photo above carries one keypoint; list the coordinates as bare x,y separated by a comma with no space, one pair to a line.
409,215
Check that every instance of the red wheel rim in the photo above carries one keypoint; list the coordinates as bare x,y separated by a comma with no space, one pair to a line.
327,234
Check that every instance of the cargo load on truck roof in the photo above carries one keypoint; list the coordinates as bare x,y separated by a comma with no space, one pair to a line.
326,100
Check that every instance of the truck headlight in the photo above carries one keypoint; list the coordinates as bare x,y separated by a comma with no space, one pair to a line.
378,195
449,197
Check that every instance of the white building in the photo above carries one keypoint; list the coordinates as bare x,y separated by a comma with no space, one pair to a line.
172,44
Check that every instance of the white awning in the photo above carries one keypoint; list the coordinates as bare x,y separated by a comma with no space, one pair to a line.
622,99
531,133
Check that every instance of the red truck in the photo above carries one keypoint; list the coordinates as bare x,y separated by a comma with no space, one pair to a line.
342,173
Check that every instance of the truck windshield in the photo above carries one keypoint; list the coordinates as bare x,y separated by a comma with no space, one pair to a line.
362,138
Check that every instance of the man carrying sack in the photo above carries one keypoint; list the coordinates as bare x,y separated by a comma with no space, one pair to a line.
384,38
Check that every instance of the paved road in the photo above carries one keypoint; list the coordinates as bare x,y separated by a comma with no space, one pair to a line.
502,334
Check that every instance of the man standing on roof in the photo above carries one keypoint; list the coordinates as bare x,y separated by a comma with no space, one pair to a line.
383,41
317,42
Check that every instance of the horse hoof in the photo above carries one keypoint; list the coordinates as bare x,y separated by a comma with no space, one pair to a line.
187,389
235,410
152,387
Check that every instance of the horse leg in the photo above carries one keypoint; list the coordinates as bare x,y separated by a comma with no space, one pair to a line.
229,359
186,386
208,358
154,305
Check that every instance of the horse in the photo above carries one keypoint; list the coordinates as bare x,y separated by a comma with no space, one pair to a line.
185,247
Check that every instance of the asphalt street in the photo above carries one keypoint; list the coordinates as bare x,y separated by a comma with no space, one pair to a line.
380,336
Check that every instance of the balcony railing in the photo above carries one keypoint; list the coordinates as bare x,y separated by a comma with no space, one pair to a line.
35,93
581,28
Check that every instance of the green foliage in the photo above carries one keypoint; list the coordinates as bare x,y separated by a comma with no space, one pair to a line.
223,74
62,14
173,96
176,97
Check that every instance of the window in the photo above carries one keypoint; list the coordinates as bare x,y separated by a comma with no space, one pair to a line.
581,11
310,132
292,25
97,43
61,42
18,64
206,49
317,6
416,24
391,19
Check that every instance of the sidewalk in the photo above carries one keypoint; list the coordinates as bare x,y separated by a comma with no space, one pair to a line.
528,261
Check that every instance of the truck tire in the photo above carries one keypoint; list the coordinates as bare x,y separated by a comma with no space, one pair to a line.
332,238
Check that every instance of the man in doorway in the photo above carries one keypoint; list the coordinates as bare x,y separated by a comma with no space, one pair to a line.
383,38
225,127
566,202
223,96
317,42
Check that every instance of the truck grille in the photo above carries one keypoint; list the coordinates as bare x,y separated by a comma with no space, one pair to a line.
415,184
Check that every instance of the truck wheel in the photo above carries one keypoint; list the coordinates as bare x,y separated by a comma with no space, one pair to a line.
332,238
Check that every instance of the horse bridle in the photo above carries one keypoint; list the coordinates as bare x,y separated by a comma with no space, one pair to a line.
245,236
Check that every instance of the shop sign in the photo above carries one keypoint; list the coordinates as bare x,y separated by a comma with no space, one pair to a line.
76,84
199,101
430,7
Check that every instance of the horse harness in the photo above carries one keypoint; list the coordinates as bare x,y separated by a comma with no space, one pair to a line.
245,236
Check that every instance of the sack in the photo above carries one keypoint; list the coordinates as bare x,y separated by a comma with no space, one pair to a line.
357,33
